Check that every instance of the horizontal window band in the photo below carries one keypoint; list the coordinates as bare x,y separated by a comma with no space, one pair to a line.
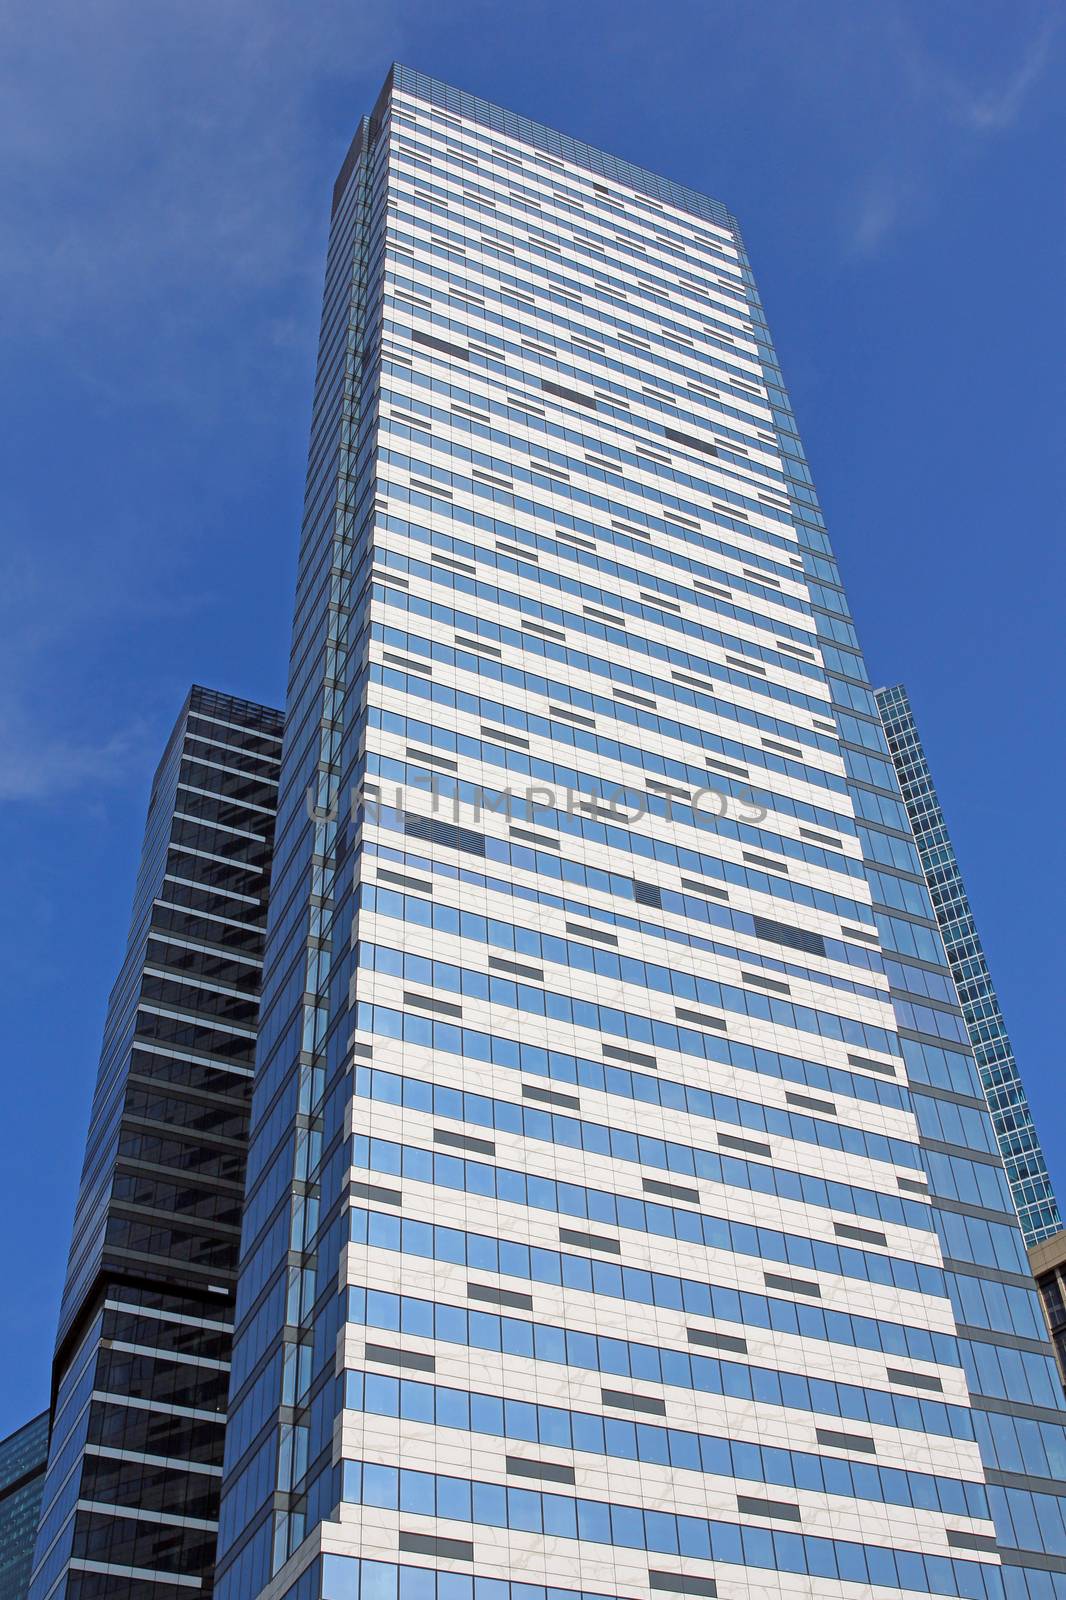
777,1280
751,1147
709,889
847,1230
451,562
508,738
562,393
636,1058
1025,1480
885,1068
845,1441
598,934
767,863
427,1002
488,1293
732,768
571,716
621,1400
551,1097
636,699
590,1241
387,876
428,1544
808,1102
690,441
821,838
386,1356
1031,1558
671,1191
765,983
682,1583
407,664
443,345
1017,1408
375,1191
545,1471
914,1380
464,1141
708,1339
704,1018
500,964
962,1539
542,839
527,625
962,1208
983,1158
1009,1341
932,1091
750,1506
477,644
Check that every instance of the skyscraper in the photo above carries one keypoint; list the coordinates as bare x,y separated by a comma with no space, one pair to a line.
612,1229
1023,1158
142,1355
23,1457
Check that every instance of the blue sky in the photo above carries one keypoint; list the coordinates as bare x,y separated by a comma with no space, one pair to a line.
897,171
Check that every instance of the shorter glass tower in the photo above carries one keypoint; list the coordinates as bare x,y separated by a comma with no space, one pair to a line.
141,1370
1027,1173
23,1457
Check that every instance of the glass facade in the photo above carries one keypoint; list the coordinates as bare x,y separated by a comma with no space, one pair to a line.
1023,1158
23,1457
140,1377
624,1214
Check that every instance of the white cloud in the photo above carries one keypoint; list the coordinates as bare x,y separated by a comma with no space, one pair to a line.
879,211
989,111
54,736
164,161
44,766
939,122
163,211
997,107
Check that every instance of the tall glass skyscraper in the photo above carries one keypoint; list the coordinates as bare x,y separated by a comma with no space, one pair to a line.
1023,1158
141,1368
624,1212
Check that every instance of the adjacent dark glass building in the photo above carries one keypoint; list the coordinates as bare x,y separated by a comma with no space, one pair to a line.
142,1355
1030,1184
23,1458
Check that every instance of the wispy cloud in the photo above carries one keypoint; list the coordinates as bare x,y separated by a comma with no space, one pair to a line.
995,107
45,765
162,162
879,210
163,202
941,119
56,735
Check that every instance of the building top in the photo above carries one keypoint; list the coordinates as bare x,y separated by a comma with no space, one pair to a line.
1048,1254
23,1452
470,106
